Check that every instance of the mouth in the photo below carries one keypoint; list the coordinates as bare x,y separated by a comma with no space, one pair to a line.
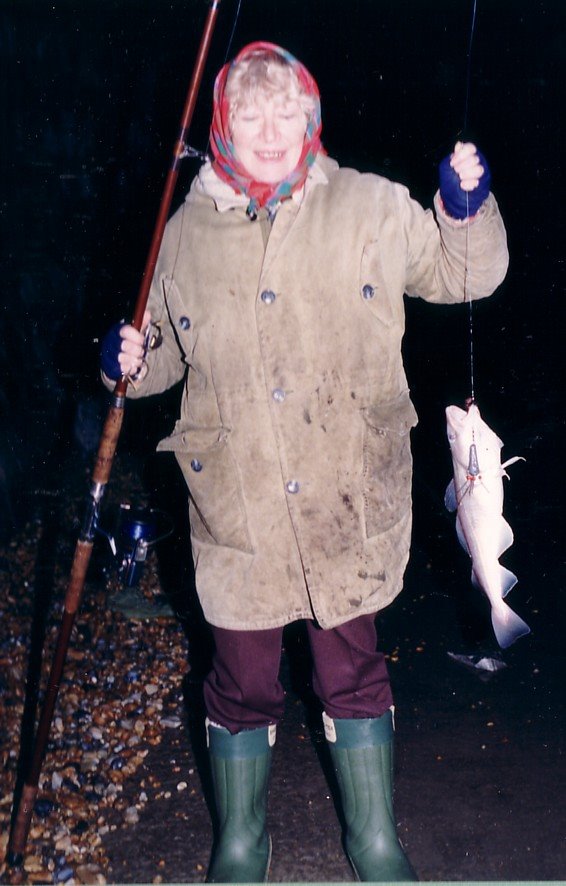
270,156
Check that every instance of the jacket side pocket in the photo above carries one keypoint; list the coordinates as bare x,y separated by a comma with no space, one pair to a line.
387,463
216,505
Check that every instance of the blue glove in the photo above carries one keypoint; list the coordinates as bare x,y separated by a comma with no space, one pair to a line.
457,202
109,350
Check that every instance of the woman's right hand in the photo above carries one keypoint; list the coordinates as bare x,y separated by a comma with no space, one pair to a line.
123,350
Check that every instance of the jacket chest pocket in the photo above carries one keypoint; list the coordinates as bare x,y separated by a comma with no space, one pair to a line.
387,463
180,317
216,505
372,287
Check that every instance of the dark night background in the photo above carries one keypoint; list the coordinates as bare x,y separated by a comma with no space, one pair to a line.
91,98
92,94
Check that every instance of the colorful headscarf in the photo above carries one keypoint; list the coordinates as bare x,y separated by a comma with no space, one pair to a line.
225,164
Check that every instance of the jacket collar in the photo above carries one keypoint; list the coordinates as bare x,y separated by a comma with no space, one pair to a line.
208,184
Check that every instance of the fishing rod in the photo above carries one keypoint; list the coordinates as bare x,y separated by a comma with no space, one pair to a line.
24,803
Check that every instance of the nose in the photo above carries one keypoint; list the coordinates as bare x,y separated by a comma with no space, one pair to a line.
269,129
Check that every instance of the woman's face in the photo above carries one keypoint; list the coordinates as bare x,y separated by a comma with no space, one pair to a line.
267,135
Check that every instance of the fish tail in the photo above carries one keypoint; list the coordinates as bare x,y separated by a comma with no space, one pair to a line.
508,626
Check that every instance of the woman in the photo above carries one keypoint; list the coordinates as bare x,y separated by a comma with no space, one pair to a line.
280,286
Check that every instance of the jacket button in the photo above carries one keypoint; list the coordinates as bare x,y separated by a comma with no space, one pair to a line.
292,486
185,323
368,291
196,465
268,297
278,395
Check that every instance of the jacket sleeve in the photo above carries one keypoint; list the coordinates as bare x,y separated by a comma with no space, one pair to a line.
450,261
165,363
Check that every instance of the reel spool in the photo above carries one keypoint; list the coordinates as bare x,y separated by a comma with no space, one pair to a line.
138,529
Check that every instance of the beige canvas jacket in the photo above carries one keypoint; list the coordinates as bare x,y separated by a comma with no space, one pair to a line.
294,426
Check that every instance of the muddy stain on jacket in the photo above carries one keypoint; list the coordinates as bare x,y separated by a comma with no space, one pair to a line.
294,429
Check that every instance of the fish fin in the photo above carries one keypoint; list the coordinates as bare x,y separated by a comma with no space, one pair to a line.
462,537
511,461
450,500
508,626
505,537
508,580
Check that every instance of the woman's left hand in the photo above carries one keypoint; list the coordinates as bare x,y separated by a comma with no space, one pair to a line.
466,163
464,181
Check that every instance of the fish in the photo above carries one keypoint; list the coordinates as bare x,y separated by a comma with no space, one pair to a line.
476,494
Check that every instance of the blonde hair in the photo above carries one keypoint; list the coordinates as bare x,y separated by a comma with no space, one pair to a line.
264,74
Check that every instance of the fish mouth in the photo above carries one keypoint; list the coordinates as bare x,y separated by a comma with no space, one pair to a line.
457,420
457,416
455,412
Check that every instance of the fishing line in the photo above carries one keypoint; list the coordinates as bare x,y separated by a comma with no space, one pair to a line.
470,309
194,152
469,69
466,257
189,151
226,54
236,17
229,48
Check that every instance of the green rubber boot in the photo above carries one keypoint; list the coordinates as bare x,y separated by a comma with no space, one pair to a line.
240,771
362,754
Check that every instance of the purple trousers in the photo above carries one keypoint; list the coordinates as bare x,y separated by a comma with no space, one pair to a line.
243,690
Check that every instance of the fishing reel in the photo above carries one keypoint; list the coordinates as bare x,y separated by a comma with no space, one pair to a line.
137,530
